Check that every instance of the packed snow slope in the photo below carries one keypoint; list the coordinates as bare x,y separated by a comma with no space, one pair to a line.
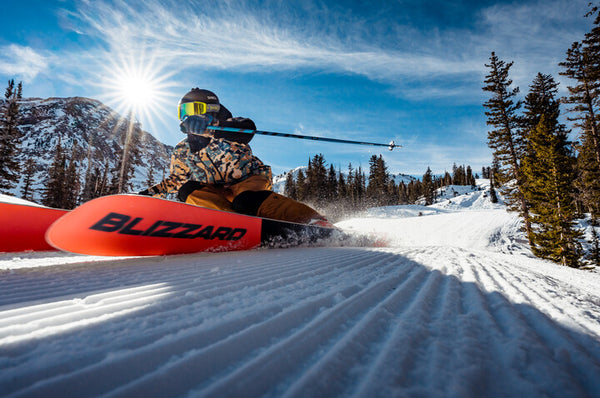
456,306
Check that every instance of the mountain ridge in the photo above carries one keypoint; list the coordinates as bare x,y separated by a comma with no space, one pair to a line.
82,123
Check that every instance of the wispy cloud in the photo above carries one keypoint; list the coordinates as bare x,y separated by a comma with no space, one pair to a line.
535,35
273,36
236,37
23,62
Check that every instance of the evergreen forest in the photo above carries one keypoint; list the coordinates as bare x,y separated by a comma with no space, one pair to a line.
548,173
339,193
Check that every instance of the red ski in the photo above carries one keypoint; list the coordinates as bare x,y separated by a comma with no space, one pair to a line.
22,226
133,225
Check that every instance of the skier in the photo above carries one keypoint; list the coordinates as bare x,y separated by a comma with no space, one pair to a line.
217,170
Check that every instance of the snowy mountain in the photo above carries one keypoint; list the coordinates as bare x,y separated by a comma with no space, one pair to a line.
81,122
466,196
404,178
279,180
455,305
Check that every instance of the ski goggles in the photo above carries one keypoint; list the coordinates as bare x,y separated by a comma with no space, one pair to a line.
196,108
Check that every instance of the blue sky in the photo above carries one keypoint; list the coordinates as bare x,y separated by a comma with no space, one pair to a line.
410,71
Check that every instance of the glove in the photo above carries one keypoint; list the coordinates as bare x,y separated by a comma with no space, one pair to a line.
195,124
145,192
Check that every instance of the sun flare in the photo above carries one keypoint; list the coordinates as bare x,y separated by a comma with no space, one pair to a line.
135,89
138,88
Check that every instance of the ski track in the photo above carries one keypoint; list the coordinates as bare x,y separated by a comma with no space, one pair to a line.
412,321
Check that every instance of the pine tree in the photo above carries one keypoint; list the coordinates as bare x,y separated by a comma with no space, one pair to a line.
29,173
150,181
548,175
89,183
592,60
95,183
53,194
494,171
72,184
428,187
594,255
377,190
86,193
290,188
63,183
588,180
317,180
469,178
342,187
458,175
332,184
493,195
540,101
402,194
351,186
393,194
548,170
415,191
115,182
360,181
102,186
582,66
506,139
10,137
447,180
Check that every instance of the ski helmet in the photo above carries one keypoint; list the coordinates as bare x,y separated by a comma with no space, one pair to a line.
197,95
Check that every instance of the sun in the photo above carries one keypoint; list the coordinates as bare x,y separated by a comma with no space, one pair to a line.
138,88
134,88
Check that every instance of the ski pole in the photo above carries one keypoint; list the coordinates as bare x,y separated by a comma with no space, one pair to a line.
390,146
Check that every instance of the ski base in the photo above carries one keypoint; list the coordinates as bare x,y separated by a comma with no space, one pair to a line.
133,225
22,227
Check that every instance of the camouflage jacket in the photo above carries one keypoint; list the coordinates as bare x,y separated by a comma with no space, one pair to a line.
219,162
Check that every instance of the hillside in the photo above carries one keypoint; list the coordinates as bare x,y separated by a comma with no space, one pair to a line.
82,123
455,306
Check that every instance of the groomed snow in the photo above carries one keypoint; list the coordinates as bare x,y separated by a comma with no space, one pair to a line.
12,199
455,306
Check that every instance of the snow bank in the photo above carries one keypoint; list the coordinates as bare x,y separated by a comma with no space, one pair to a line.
468,221
12,199
492,230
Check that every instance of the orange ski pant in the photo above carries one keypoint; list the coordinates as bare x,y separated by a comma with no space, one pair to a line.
275,206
